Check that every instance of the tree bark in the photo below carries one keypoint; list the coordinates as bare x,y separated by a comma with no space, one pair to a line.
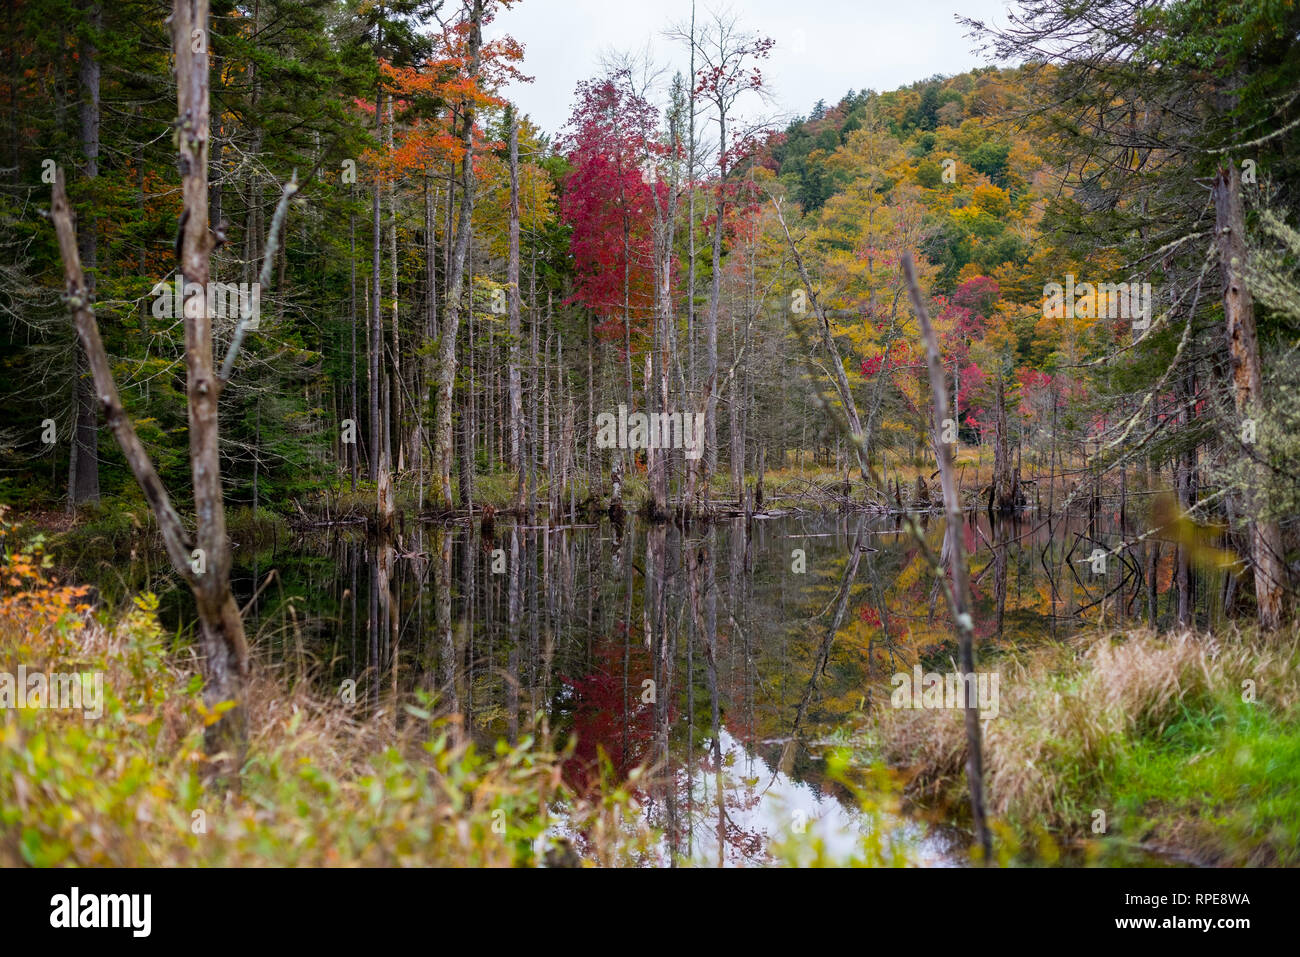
221,631
397,435
206,568
83,466
515,384
709,461
352,305
376,432
1006,490
1243,347
456,275
204,561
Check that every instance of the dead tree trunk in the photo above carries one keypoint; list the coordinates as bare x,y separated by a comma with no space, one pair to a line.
443,440
83,466
375,322
1243,347
512,281
1006,490
397,440
220,627
959,594
352,299
203,562
859,438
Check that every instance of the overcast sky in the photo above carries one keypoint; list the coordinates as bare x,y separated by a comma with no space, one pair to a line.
823,49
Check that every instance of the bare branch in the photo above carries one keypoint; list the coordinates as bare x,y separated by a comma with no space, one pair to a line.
169,522
264,277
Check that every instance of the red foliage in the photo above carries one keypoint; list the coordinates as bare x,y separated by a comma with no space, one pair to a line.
967,315
609,200
899,355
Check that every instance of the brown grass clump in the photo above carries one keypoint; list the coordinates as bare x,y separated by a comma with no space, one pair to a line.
1068,712
1149,678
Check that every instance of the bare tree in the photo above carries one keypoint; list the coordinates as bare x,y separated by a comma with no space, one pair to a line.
959,594
1247,383
857,436
515,383
83,463
727,60
202,559
446,373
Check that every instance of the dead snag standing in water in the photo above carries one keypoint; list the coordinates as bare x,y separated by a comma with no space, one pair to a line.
959,594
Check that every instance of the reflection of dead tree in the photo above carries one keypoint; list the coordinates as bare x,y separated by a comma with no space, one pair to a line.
958,594
1131,573
885,636
999,546
828,640
663,651
389,613
705,613
514,611
442,543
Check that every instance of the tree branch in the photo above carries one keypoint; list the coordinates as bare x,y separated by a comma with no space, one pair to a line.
174,535
264,277
859,439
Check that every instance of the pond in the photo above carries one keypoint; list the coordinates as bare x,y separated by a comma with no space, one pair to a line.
727,657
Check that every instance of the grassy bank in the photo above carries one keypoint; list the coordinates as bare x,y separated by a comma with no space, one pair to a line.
1186,745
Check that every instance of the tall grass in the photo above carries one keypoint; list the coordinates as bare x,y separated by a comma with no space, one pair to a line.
1186,743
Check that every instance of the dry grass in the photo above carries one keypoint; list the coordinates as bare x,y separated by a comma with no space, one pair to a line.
1075,719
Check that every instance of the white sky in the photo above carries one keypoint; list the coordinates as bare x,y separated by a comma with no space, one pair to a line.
823,49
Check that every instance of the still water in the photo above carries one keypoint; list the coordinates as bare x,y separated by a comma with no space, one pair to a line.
727,658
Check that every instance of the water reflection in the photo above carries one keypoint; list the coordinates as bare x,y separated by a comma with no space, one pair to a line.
722,656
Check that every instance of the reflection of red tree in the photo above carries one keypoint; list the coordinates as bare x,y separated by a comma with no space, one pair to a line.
741,724
605,719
